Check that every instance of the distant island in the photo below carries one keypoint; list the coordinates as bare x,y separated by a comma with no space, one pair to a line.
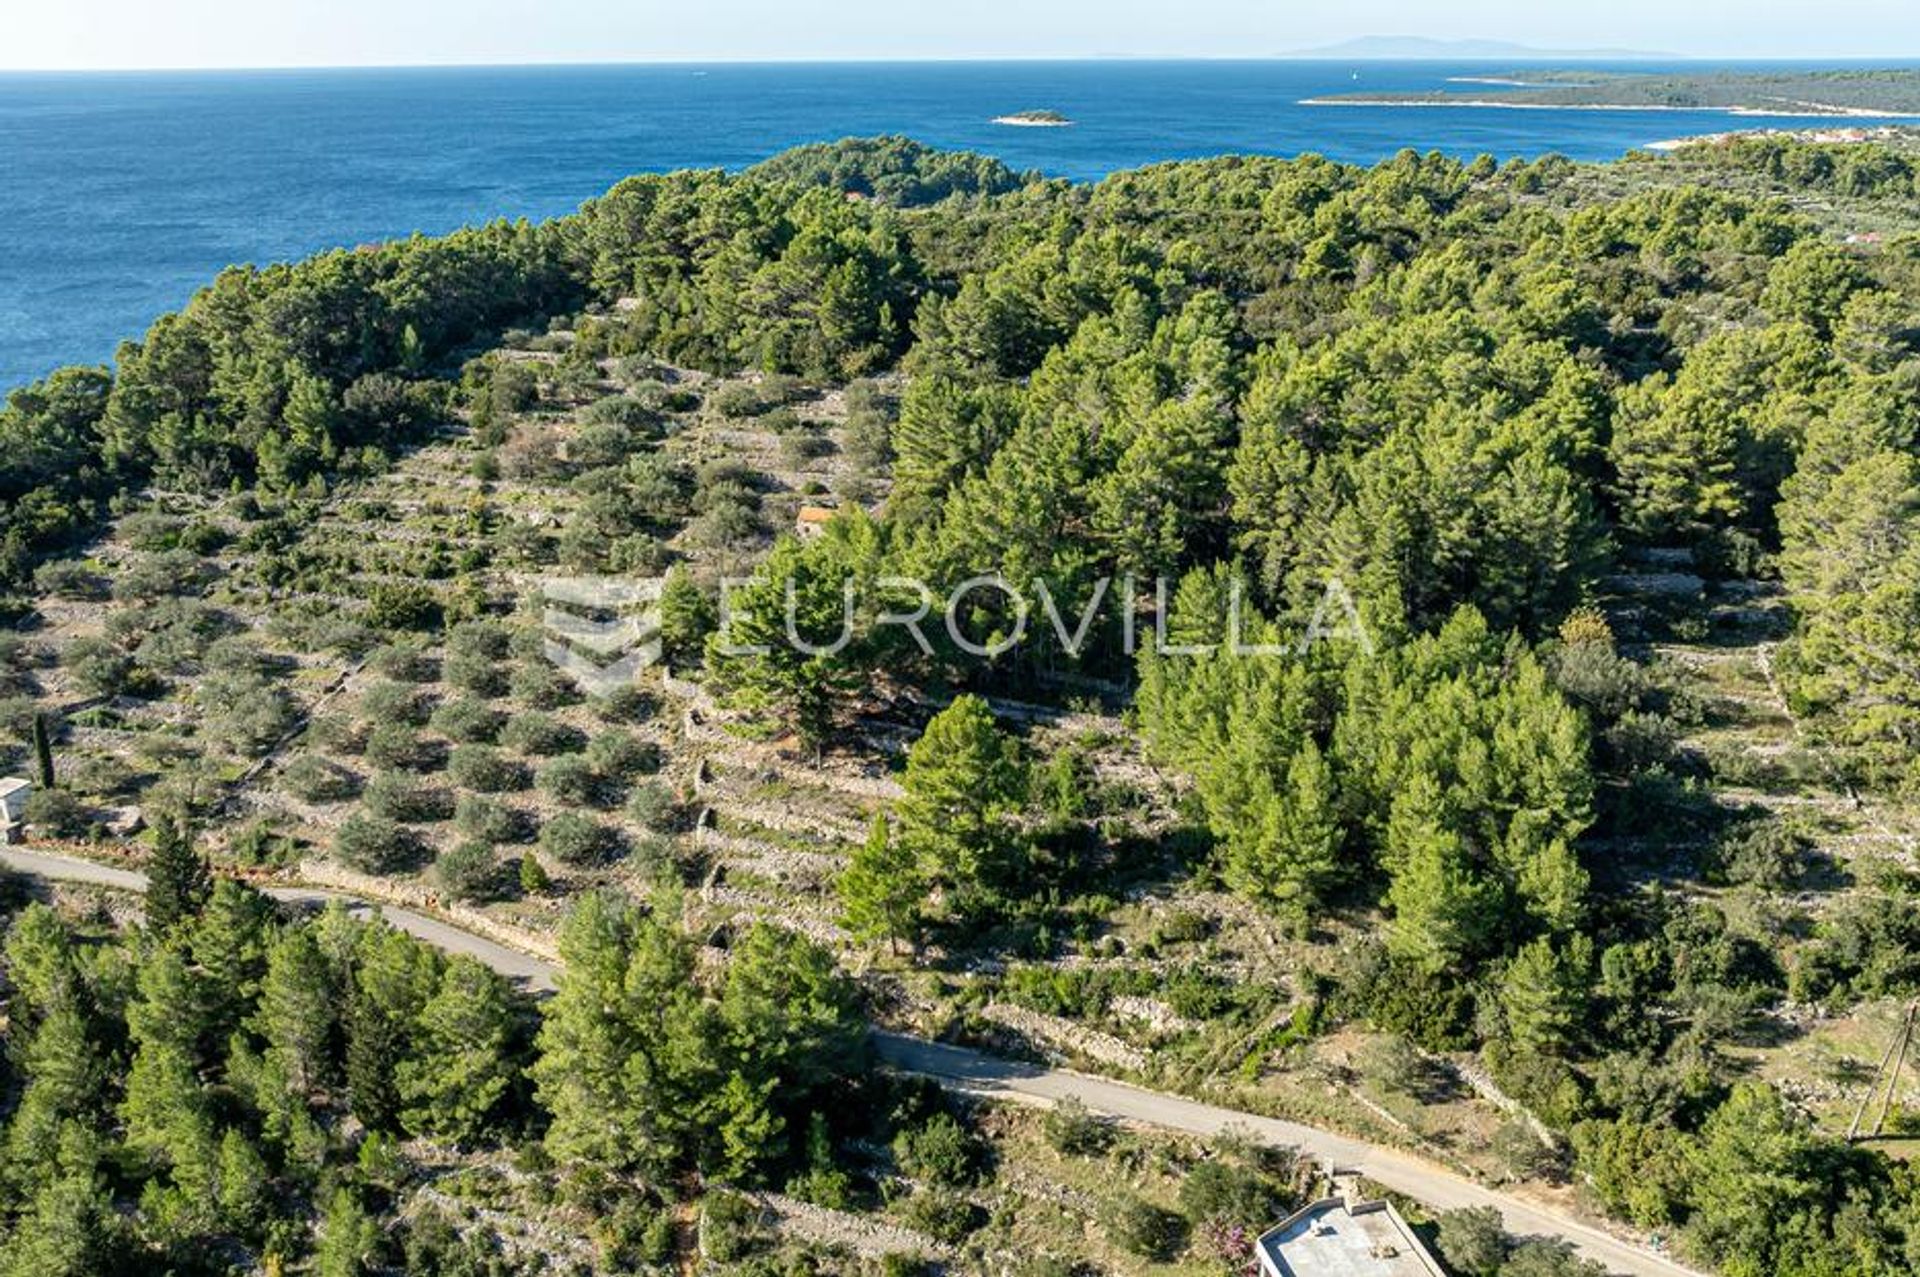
1891,92
1416,48
1034,120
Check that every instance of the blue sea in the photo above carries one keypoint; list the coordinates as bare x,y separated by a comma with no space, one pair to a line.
120,193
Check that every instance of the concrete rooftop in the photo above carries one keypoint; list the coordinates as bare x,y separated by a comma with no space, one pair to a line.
1332,1238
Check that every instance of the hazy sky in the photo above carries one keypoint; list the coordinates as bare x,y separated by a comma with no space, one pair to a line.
44,34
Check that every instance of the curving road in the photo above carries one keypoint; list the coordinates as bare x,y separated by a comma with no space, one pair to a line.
1434,1185
978,1073
530,972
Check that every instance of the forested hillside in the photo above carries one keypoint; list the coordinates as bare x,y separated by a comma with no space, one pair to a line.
1562,829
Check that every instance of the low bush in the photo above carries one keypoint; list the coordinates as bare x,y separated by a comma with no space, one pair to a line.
940,1151
391,702
485,770
490,822
315,780
469,871
620,756
576,839
541,735
1140,1228
467,721
375,845
476,675
543,687
397,797
402,663
396,745
571,780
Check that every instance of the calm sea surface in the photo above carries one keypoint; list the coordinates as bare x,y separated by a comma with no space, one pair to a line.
121,193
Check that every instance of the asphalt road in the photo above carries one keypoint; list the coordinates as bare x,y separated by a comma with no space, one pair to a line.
978,1073
1434,1185
530,972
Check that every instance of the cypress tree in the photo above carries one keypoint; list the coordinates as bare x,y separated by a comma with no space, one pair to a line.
42,752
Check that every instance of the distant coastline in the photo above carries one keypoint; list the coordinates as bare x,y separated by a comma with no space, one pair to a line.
1867,93
1785,111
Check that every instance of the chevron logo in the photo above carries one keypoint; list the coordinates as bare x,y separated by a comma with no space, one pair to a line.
599,631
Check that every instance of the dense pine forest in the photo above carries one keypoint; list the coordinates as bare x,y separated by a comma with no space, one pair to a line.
1597,488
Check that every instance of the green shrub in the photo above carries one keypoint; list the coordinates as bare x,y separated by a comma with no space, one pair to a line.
337,734
315,780
541,736
402,605
467,721
941,1213
940,1151
1473,1241
69,579
1140,1228
485,820
476,675
58,814
468,871
152,530
543,687
728,1227
1223,1192
402,663
654,807
484,638
485,770
621,756
802,447
375,845
626,705
1768,854
98,667
736,401
571,780
247,711
390,702
575,839
1072,1129
395,745
396,797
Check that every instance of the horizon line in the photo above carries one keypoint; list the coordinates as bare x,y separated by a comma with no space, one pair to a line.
1529,58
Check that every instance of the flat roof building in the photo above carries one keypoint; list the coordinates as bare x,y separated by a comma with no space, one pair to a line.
1340,1237
13,805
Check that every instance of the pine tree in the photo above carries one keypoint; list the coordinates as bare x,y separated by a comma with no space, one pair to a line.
229,945
68,1231
1445,909
165,1110
880,887
453,1083
373,1054
1544,993
1285,854
687,615
178,879
625,1061
964,782
348,1238
245,1185
533,877
296,1012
